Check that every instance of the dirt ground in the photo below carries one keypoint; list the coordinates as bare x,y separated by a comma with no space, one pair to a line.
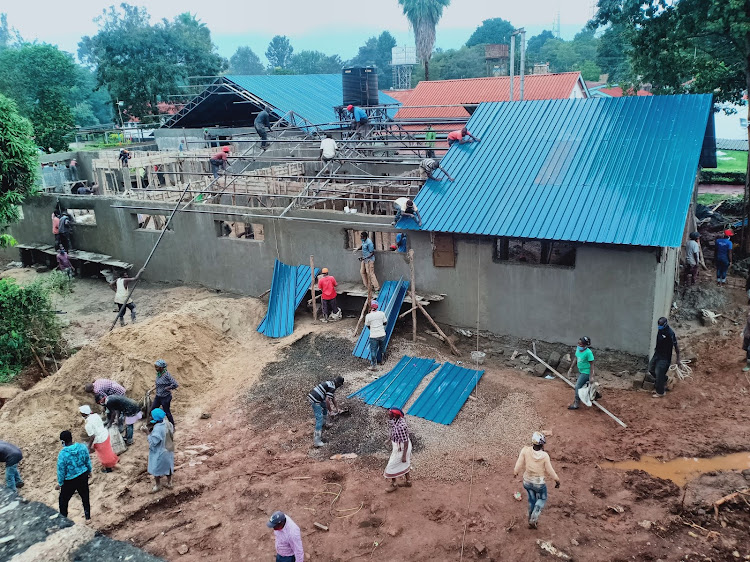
253,455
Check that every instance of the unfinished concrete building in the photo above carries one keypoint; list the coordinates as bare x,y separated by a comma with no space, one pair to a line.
566,219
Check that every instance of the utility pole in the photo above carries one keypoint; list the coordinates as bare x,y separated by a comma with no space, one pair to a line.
522,33
512,61
523,61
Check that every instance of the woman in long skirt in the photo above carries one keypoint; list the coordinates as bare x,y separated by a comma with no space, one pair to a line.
400,462
99,440
161,449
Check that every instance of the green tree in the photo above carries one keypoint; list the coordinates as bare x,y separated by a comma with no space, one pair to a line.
423,16
140,64
279,52
561,55
466,62
687,45
493,31
315,62
590,71
534,47
611,57
245,61
91,106
39,78
19,165
377,51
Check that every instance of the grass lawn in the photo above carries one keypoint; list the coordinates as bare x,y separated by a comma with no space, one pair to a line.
713,198
731,161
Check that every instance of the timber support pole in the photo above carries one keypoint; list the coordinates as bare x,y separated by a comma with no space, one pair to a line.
312,289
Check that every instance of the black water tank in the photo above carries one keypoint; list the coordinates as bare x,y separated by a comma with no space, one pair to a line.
360,85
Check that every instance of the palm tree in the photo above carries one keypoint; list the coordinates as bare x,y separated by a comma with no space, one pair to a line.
423,16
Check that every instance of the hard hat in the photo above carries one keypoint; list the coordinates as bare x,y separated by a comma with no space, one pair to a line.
226,148
349,107
324,270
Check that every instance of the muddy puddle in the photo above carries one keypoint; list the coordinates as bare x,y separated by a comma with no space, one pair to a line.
683,469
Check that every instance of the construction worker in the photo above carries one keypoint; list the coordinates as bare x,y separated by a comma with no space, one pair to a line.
585,363
121,287
429,139
367,267
73,473
327,284
459,136
328,148
723,256
117,405
400,245
63,263
428,166
376,321
65,229
262,126
287,537
11,456
220,161
359,120
536,467
405,207
124,157
662,358
692,258
323,400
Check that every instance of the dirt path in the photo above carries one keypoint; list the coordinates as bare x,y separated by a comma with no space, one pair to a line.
253,455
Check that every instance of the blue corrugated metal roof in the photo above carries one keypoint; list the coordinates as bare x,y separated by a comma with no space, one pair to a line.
313,96
288,288
393,389
608,170
390,299
445,395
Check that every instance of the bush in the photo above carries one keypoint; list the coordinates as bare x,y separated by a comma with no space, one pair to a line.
28,323
733,178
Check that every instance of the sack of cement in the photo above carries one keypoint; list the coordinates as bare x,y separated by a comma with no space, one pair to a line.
118,443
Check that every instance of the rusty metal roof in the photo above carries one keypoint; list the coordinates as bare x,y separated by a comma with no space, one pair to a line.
605,170
472,91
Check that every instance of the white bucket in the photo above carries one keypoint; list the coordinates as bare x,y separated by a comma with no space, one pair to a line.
478,356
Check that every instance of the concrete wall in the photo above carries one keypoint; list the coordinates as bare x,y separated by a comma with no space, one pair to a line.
613,294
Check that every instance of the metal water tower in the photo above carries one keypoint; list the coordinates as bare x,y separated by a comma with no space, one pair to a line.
403,60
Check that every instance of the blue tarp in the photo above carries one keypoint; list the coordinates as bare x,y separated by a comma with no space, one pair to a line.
288,288
445,395
394,389
390,299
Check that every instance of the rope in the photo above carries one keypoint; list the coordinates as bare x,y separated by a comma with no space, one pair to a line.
681,370
474,433
337,495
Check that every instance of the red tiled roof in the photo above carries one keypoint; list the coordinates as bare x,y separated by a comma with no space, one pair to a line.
616,92
399,95
476,90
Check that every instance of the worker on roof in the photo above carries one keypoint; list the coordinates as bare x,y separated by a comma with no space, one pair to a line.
429,140
428,166
459,136
220,160
327,284
359,120
367,266
262,126
405,207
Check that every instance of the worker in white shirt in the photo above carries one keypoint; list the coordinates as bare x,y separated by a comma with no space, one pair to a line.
376,321
328,148
405,207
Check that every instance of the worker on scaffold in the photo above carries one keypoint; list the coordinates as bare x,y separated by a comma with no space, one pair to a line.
360,123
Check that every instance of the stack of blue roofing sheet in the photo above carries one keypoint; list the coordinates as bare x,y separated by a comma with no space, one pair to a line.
288,288
390,299
393,389
445,395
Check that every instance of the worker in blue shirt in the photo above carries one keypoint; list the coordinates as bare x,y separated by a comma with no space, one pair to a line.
723,256
367,267
359,120
400,245
262,126
73,473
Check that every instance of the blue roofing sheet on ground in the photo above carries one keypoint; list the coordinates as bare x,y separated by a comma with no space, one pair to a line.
445,395
288,288
606,170
313,96
390,299
394,389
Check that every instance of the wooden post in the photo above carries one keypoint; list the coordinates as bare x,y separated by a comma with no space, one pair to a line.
439,331
368,300
413,298
312,289
594,402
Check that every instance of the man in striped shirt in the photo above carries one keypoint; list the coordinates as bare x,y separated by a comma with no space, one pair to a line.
106,387
323,400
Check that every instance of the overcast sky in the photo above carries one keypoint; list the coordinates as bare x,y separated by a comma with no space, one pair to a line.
331,26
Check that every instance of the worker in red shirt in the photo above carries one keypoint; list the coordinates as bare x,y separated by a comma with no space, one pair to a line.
219,161
56,227
459,137
327,284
